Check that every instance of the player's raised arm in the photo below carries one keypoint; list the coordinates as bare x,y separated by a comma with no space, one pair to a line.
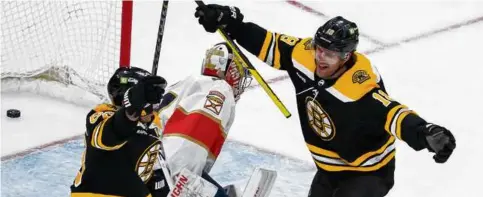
109,125
272,48
123,153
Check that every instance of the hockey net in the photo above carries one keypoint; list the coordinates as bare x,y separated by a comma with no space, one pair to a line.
66,49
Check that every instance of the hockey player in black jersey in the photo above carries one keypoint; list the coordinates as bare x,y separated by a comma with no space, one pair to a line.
348,120
122,140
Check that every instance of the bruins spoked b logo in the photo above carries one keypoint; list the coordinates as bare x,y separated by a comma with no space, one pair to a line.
319,120
145,164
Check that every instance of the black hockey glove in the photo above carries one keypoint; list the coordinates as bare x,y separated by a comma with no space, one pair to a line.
440,141
215,16
139,99
157,185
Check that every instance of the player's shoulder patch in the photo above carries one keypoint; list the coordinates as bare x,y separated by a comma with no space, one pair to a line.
214,101
360,76
357,81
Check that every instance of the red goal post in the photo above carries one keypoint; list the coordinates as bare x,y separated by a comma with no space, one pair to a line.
77,44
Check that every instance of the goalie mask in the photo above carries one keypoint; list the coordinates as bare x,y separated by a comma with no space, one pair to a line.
122,80
221,63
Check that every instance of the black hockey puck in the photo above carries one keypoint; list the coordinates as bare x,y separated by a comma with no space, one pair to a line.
13,113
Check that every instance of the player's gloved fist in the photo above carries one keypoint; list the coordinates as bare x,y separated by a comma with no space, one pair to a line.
139,99
440,141
213,16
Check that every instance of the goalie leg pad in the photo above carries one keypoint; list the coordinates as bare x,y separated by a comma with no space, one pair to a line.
190,184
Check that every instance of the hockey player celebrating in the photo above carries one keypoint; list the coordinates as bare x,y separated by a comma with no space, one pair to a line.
348,120
122,140
197,113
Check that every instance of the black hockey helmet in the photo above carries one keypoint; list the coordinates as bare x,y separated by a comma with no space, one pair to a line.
338,34
123,79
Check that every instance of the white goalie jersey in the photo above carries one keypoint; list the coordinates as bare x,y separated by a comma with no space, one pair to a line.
196,115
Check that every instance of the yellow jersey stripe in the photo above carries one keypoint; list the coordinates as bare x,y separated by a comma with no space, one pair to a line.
368,155
87,194
361,159
276,58
96,140
334,168
78,177
367,163
322,151
264,51
390,116
104,107
398,124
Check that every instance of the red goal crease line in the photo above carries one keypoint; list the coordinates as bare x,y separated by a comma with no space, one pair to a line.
39,148
379,48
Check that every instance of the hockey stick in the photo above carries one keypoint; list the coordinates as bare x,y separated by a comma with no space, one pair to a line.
167,174
252,69
260,183
162,21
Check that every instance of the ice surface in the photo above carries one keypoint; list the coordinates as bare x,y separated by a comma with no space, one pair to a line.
50,172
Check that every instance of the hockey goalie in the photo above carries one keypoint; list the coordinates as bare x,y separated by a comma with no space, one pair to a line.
196,114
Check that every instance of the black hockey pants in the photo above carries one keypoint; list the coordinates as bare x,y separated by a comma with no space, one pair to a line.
357,186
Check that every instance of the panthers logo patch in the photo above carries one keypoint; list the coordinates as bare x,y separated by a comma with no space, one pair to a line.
360,76
319,120
214,101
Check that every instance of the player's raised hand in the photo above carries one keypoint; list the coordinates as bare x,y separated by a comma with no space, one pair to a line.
139,100
215,16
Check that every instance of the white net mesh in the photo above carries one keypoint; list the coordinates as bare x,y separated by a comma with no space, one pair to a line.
75,43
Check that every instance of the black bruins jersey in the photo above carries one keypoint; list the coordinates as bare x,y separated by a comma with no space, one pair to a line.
119,155
349,123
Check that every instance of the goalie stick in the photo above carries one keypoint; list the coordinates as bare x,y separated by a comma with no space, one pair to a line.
167,174
162,21
259,185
